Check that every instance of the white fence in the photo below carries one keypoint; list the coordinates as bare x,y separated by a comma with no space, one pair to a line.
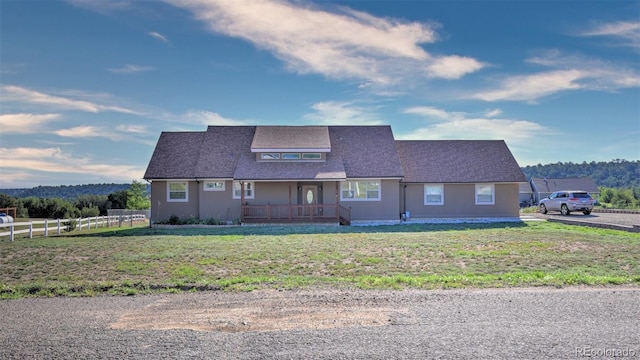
59,225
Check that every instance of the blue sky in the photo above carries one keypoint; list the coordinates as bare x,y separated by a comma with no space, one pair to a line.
87,86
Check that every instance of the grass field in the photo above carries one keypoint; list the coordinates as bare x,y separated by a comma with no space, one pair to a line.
140,260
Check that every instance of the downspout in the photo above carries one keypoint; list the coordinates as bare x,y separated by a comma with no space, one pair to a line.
150,201
241,201
404,201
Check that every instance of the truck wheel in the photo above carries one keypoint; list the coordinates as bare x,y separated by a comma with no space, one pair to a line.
586,212
564,210
543,209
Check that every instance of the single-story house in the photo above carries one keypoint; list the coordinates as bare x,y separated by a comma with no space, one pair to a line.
543,187
346,174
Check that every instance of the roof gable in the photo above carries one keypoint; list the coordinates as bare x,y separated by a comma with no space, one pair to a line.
291,138
458,161
175,156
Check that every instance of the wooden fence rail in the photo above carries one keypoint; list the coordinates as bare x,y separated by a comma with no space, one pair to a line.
59,225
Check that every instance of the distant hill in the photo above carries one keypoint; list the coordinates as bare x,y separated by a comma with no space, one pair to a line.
67,192
613,174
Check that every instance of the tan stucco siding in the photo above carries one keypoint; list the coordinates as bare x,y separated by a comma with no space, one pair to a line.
459,201
161,209
388,208
276,193
219,205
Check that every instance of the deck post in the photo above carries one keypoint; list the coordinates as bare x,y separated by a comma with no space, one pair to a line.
242,209
290,202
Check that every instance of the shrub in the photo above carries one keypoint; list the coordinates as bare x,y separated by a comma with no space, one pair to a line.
174,220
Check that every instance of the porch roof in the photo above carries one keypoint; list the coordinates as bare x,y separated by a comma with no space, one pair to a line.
331,169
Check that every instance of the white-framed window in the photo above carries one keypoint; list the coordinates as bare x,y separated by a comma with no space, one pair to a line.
434,194
485,194
249,192
270,156
217,185
177,191
290,156
360,190
312,156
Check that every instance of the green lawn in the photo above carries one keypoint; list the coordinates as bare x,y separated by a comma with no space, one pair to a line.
139,259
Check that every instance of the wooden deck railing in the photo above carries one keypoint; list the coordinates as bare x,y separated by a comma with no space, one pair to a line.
296,213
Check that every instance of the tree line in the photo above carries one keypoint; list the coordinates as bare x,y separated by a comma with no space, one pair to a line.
620,198
617,173
135,197
67,192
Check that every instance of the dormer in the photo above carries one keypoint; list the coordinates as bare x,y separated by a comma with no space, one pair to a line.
291,143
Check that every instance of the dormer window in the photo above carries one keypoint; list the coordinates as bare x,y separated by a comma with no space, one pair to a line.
312,156
291,143
291,156
270,156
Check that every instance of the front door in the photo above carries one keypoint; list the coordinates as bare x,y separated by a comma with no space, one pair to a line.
310,197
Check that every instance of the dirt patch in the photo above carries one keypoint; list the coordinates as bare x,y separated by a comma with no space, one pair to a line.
268,313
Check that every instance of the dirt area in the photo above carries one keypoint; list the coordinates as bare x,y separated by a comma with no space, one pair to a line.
269,312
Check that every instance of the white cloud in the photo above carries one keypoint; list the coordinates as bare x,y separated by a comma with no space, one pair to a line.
129,68
12,93
83,131
343,44
453,67
24,123
128,133
531,87
127,128
445,125
203,117
158,36
492,112
567,72
342,113
432,112
628,31
53,160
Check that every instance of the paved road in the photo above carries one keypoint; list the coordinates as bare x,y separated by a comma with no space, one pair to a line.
322,324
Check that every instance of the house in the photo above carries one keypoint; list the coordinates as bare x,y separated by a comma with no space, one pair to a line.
346,174
543,187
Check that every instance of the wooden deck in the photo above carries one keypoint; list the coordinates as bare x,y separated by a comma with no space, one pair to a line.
319,213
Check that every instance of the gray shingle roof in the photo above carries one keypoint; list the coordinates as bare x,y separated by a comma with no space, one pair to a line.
224,152
283,138
222,147
367,151
249,169
555,184
458,161
175,156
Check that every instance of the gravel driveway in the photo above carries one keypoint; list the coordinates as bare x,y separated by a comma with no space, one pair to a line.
627,220
328,324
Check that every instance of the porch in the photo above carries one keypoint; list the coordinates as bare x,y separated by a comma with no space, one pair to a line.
290,213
